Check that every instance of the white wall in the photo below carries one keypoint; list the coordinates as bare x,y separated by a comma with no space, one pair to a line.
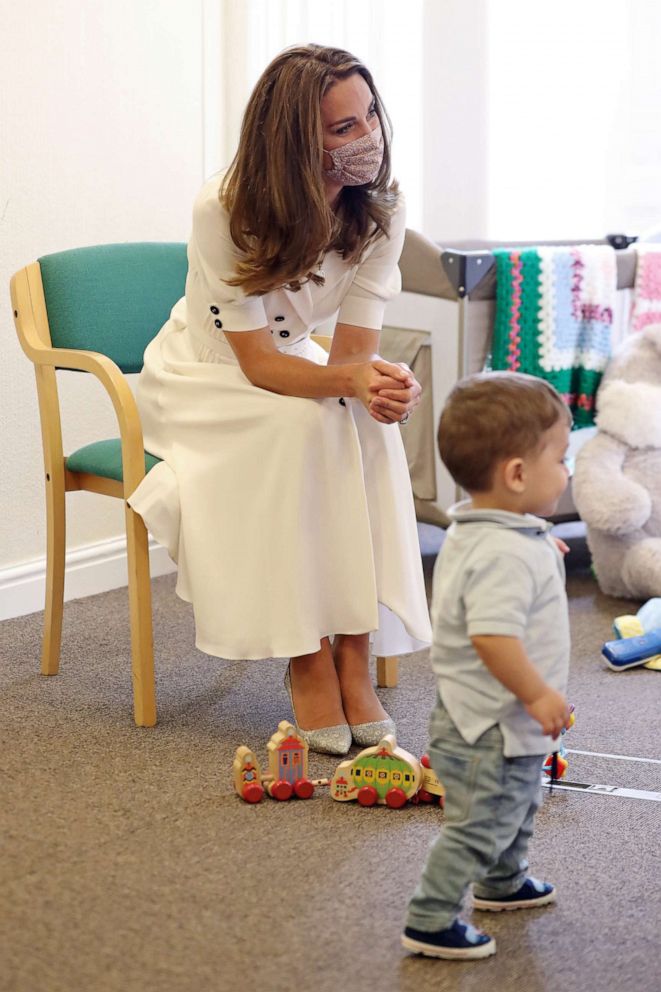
454,101
101,140
559,104
541,121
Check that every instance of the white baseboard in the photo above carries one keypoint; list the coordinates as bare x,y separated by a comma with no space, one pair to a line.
89,570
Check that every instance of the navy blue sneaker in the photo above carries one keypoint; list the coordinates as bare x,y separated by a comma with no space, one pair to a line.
460,941
532,893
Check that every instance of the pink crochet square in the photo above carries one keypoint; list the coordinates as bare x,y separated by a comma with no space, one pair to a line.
647,289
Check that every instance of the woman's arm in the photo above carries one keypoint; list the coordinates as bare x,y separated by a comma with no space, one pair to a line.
375,281
361,374
392,402
266,367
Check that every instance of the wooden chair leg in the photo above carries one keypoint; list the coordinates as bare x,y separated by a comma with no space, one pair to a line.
55,558
386,672
142,643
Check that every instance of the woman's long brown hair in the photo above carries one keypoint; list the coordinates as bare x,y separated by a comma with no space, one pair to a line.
274,191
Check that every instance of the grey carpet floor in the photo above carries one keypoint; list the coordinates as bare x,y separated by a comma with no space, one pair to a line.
129,863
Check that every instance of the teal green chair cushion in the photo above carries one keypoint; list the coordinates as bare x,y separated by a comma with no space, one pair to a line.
104,458
113,298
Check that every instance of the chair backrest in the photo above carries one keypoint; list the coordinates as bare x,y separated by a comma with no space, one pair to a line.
112,299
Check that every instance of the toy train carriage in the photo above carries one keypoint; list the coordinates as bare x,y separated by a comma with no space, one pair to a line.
247,775
288,768
431,788
386,775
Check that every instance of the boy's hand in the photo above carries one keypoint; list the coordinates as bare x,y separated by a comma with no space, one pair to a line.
551,710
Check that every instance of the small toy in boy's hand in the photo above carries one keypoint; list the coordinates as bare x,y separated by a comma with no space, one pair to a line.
556,764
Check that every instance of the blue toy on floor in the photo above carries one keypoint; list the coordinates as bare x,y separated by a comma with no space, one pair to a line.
639,639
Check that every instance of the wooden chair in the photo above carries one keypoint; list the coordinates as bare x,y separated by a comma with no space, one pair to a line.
95,310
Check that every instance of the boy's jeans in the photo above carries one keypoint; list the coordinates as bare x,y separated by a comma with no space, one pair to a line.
490,804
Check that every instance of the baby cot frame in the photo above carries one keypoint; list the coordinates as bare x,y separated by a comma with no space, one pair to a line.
448,303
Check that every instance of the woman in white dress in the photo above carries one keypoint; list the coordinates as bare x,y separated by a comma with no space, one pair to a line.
284,492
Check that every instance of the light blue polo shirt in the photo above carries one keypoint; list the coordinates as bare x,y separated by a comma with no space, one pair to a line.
498,573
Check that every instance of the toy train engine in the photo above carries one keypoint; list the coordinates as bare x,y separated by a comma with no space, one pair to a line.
385,775
431,790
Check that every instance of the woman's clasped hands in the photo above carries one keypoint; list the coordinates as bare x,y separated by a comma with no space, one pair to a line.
388,390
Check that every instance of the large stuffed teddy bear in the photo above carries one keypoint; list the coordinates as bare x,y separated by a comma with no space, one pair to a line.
617,482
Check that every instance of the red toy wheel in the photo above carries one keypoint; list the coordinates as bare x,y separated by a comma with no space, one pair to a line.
395,798
367,796
252,793
281,790
303,788
441,802
425,762
425,797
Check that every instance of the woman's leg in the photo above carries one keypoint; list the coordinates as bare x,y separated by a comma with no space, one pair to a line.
316,690
360,702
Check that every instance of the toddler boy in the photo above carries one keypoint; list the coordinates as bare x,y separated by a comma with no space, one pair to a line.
500,654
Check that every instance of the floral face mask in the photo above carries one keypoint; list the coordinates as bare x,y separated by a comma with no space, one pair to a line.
357,162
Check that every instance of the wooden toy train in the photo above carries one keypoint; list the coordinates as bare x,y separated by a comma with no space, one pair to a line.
381,775
384,775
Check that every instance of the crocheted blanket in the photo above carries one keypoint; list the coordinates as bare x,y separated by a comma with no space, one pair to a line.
554,314
647,289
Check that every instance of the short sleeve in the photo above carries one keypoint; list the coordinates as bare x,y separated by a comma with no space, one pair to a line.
212,261
377,278
498,594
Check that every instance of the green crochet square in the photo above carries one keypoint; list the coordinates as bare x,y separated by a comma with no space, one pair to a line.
519,351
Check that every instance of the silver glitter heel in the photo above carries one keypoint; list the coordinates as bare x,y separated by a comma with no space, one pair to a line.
325,740
369,734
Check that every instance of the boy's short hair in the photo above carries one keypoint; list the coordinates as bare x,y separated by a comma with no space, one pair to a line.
491,416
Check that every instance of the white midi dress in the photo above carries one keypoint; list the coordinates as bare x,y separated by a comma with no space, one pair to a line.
290,519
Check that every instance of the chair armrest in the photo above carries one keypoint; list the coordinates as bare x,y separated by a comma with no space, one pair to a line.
114,382
31,322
